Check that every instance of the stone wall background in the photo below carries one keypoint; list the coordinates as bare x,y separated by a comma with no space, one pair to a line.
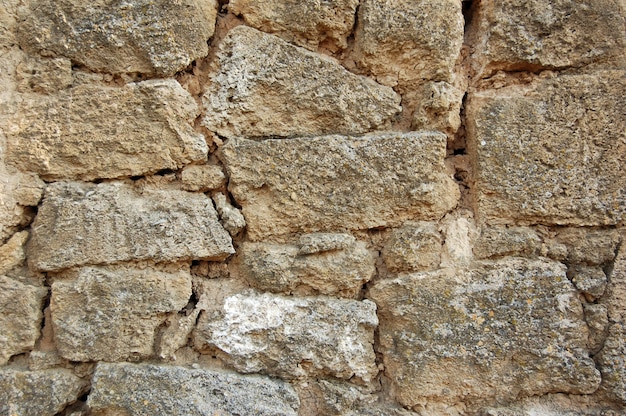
334,207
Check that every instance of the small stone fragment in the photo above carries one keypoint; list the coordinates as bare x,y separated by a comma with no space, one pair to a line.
107,223
111,313
154,37
176,333
12,253
413,248
598,322
438,107
17,191
211,270
178,391
41,393
202,178
593,247
591,281
232,219
616,290
94,131
44,75
320,242
332,398
338,183
265,87
612,363
293,337
43,360
307,24
506,241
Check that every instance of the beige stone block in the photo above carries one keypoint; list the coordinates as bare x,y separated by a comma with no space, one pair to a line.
551,153
202,178
338,183
12,253
80,224
413,247
589,246
232,219
93,131
17,192
263,86
612,363
506,241
44,75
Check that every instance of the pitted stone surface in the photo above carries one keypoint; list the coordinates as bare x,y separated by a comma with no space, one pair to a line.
178,391
265,87
506,241
413,247
107,223
93,131
337,183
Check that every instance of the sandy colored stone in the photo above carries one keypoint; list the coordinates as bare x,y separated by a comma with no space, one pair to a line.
598,322
306,23
591,281
81,224
12,253
552,153
406,42
413,248
616,290
155,37
41,393
111,313
337,183
17,192
484,335
506,241
612,363
281,268
176,333
20,317
533,34
265,87
202,177
438,107
94,131
459,231
44,75
589,246
178,391
320,242
293,337
232,219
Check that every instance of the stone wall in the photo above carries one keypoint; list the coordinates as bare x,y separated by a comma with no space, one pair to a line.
339,207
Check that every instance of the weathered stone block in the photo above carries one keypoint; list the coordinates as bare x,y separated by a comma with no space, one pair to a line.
94,131
179,391
591,281
153,37
282,268
487,334
81,224
20,317
307,24
231,217
336,183
438,107
592,247
202,177
17,191
293,337
42,393
413,248
265,87
616,290
506,241
406,42
12,253
612,363
544,154
112,313
44,75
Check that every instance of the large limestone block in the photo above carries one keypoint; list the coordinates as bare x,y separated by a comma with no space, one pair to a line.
108,223
552,153
407,41
487,334
94,131
283,268
111,313
20,317
266,87
336,183
178,391
293,337
155,37
41,393
305,23
535,34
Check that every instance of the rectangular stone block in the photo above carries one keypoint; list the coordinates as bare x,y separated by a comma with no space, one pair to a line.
80,224
552,152
337,183
93,131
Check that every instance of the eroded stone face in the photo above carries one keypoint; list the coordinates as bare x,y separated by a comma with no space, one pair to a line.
337,183
17,192
506,241
544,154
169,390
413,247
12,253
112,313
93,131
612,363
265,87
293,337
153,37
489,333
81,224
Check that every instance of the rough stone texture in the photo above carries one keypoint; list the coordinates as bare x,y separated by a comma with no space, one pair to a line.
513,35
111,313
320,242
616,291
336,183
293,337
111,222
44,75
155,37
592,247
41,393
176,333
202,177
282,268
438,107
20,317
413,248
612,363
591,281
490,333
545,154
12,253
598,322
405,42
265,87
93,131
17,191
232,219
178,391
506,241
306,23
